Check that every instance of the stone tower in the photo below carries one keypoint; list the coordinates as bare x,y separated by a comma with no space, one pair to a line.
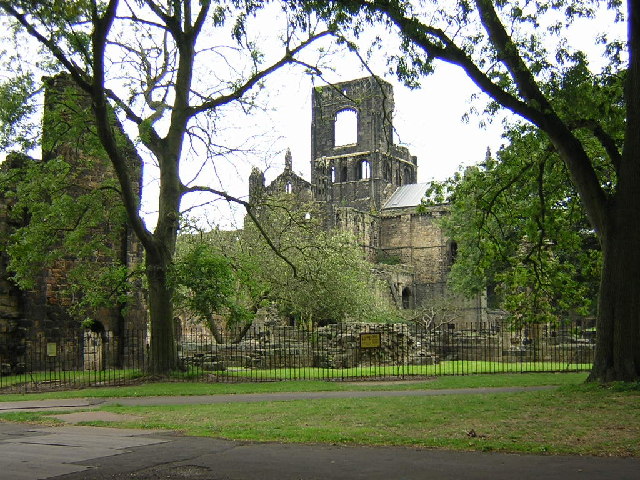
367,187
43,314
354,162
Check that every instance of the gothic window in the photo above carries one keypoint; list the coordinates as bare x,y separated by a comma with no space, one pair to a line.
346,128
386,171
363,170
345,174
288,188
407,175
333,174
398,179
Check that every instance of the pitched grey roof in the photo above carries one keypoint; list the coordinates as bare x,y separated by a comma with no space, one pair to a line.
407,196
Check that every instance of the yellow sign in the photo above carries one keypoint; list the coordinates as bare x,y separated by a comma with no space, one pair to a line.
370,340
52,350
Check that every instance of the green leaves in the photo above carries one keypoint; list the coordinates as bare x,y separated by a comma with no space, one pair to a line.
59,224
521,232
332,282
16,108
204,282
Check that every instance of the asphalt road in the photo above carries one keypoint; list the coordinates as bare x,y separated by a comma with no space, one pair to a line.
74,453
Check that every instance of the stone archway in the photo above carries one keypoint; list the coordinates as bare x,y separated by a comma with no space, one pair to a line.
407,298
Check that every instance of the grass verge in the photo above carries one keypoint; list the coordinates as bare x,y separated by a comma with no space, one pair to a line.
577,418
581,420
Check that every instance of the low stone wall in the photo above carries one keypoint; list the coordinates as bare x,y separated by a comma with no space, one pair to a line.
333,346
341,346
506,345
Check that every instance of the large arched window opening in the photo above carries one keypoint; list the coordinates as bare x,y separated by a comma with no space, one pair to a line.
346,128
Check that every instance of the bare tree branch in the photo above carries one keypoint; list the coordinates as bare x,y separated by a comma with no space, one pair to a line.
255,78
250,211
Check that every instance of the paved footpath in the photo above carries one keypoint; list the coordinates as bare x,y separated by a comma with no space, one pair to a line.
72,453
83,403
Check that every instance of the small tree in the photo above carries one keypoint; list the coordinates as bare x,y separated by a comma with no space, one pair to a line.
316,276
331,282
205,286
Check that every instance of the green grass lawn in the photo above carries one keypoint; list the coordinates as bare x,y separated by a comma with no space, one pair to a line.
584,420
450,367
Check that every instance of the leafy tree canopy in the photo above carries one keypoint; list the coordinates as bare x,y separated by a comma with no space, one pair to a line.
519,222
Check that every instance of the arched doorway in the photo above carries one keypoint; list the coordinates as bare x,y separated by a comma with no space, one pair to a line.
407,298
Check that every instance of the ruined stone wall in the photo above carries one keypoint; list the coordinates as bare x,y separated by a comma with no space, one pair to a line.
92,167
394,279
288,182
41,315
371,98
362,225
416,239
357,174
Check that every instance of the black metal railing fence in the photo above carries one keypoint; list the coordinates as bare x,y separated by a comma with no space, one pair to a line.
268,353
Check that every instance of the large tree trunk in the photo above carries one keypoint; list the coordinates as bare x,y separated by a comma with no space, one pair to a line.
618,326
163,355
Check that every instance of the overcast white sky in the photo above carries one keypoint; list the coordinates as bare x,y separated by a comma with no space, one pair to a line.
428,121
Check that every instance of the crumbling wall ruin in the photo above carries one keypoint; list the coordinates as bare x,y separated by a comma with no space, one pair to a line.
40,316
368,345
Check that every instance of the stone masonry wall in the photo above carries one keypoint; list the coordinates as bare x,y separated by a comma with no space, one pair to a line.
416,239
41,315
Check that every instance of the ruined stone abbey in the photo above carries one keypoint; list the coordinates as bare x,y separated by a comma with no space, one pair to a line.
40,316
361,181
365,184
